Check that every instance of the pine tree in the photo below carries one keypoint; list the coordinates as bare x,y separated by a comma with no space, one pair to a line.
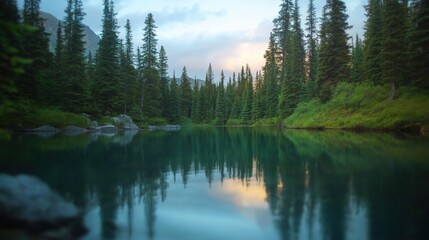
394,45
372,42
297,61
419,54
258,101
210,91
311,91
220,102
174,102
75,88
163,74
357,58
196,103
334,56
129,73
185,95
246,113
270,82
35,46
151,103
229,98
106,88
11,60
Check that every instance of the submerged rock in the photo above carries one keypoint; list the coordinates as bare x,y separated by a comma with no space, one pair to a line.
166,127
28,207
108,128
73,130
45,128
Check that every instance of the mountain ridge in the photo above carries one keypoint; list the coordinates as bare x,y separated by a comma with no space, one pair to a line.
51,25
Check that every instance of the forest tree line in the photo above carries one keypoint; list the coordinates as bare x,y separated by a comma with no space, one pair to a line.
300,64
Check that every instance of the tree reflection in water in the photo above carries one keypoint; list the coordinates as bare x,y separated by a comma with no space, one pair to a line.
314,183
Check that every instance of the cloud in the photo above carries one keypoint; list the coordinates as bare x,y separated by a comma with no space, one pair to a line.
226,50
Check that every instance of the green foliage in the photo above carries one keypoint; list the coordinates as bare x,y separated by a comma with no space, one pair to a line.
186,98
394,54
363,106
334,57
373,42
18,115
106,90
234,122
419,46
26,115
60,119
267,122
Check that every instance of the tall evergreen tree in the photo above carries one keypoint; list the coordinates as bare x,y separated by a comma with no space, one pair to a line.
419,53
151,103
246,113
75,88
163,74
210,91
174,102
258,101
334,55
357,59
106,88
11,59
310,91
394,45
372,42
185,95
270,82
35,46
220,102
129,73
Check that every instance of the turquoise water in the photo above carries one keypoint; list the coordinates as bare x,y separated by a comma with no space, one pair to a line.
235,183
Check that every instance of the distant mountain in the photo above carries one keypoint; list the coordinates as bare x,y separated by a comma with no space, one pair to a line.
51,24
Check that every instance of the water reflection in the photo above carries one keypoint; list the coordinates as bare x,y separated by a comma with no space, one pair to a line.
235,183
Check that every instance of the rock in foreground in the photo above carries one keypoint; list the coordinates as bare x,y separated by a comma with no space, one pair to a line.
30,209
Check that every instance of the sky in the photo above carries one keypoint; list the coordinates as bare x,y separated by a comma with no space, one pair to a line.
226,33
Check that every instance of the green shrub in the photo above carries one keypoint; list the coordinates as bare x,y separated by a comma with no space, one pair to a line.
267,122
59,119
234,122
363,106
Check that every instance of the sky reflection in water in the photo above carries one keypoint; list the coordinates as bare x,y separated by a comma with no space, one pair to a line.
217,183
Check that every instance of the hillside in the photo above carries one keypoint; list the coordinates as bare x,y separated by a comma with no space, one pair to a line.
51,24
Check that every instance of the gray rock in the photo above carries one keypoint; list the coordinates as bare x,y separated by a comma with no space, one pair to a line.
28,204
93,124
73,130
46,128
108,128
166,127
126,122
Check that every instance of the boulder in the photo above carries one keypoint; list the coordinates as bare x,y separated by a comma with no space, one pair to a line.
93,124
45,128
30,207
73,130
108,128
126,122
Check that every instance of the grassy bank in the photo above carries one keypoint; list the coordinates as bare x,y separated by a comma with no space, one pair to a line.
24,115
364,107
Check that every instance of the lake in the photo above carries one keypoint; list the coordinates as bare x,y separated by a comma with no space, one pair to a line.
235,183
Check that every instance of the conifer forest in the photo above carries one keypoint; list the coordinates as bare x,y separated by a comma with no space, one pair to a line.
312,69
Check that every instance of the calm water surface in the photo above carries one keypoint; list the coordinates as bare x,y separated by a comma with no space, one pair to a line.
235,183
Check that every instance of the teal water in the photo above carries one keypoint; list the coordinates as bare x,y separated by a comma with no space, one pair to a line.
235,183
